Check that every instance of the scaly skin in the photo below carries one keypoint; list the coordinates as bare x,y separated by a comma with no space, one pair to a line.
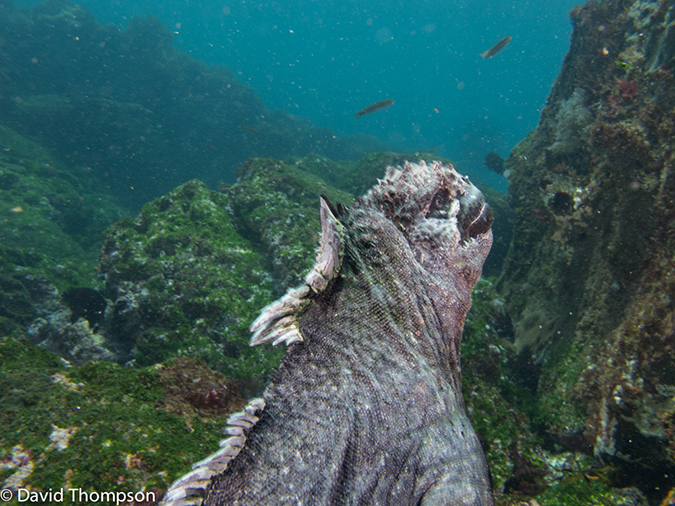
368,408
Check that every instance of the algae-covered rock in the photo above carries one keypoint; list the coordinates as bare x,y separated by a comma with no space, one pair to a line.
496,401
589,278
50,215
183,282
50,220
144,116
276,205
100,427
500,387
330,171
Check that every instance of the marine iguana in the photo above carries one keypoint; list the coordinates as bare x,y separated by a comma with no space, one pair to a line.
366,407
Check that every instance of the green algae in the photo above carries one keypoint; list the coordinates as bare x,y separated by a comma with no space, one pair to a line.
16,146
496,403
511,418
50,217
198,283
120,439
575,480
559,409
330,171
277,206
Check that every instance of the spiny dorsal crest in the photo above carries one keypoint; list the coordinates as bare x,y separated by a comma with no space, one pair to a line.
191,489
277,321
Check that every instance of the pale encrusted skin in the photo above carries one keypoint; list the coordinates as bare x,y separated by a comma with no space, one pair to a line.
368,409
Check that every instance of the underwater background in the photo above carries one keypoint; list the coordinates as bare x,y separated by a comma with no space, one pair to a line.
160,170
323,61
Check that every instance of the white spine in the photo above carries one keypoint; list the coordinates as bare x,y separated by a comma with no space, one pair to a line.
190,490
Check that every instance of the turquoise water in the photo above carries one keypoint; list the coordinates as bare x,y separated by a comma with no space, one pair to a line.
325,60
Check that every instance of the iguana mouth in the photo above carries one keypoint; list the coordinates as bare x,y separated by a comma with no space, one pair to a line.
475,216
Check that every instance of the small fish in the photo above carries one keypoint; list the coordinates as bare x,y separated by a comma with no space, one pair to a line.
249,129
497,48
17,209
377,106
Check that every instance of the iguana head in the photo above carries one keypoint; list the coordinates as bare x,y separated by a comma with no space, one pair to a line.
442,216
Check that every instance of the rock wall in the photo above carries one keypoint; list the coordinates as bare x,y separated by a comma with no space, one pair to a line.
590,275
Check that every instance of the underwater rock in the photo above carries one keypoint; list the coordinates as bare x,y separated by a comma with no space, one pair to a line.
590,276
53,216
75,342
135,110
274,205
526,479
50,237
331,172
85,303
62,332
34,309
121,428
183,281
571,130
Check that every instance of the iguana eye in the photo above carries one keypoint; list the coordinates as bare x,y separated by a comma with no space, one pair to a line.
440,205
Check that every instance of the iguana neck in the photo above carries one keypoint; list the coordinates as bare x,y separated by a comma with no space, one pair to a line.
384,303
374,322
